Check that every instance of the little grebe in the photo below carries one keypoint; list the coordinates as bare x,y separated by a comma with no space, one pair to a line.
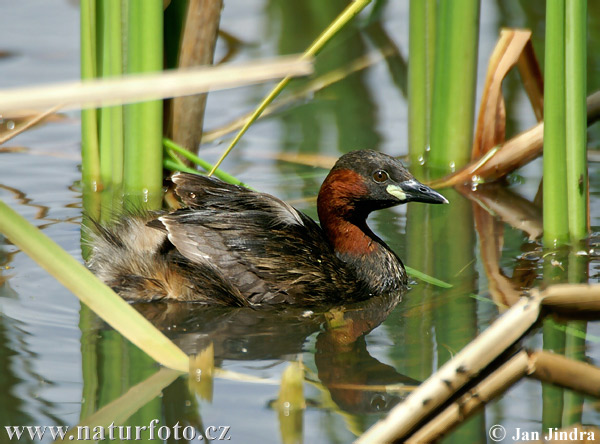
233,246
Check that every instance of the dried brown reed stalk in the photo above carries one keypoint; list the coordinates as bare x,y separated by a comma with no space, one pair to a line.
478,354
453,375
474,400
141,87
197,49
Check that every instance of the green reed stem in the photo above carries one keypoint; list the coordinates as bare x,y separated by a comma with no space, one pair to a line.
111,118
169,155
576,118
96,295
347,14
144,121
455,71
173,165
103,50
420,77
90,156
556,224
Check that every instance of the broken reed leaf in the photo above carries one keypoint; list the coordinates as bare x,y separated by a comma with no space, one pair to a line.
24,115
483,160
533,80
512,154
491,121
142,87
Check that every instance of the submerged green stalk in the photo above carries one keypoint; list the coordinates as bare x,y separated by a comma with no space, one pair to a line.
576,118
143,130
553,336
96,295
454,83
575,335
124,405
90,156
420,77
556,229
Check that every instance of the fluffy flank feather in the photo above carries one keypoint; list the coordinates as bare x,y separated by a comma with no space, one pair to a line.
136,260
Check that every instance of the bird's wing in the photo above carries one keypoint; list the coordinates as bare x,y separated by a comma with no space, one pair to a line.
267,249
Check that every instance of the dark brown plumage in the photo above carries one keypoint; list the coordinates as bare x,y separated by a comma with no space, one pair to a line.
237,247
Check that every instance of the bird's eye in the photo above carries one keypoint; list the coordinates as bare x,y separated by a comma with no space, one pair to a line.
380,176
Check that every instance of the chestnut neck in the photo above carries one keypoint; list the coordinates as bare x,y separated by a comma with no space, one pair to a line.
344,221
344,224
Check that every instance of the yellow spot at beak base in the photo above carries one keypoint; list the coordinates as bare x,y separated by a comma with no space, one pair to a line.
396,191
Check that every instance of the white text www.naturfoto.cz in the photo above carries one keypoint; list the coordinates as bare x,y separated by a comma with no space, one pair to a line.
113,432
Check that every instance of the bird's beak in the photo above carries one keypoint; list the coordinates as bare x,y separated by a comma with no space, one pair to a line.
414,191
